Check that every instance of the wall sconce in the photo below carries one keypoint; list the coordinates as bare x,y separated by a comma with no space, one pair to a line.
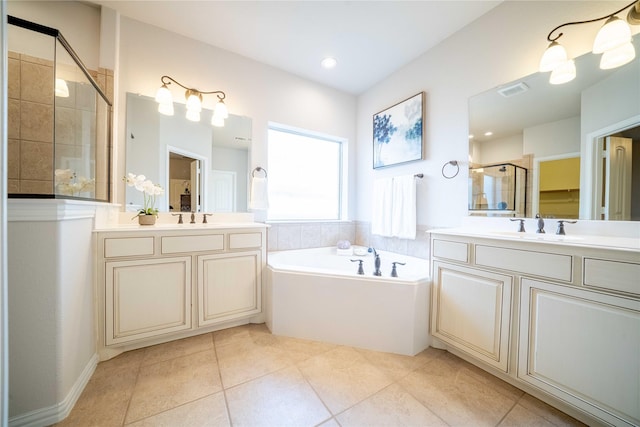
194,102
613,41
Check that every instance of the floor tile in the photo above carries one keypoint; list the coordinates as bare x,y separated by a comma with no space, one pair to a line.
165,385
396,366
548,412
177,348
522,417
343,377
391,406
299,350
246,358
253,332
457,394
282,398
210,411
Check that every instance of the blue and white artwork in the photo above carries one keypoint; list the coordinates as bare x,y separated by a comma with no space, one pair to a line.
397,133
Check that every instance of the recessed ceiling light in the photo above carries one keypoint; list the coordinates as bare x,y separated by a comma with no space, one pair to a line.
488,133
329,62
471,136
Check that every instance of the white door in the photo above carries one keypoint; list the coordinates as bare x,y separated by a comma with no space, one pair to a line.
583,347
618,179
145,298
195,186
224,190
471,310
229,286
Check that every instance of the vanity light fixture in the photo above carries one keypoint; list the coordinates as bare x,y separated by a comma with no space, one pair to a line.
613,41
194,102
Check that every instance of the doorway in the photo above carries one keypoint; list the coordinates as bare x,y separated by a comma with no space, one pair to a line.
185,186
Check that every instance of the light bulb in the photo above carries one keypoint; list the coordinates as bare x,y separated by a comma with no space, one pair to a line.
163,95
166,109
614,32
194,101
618,56
193,115
564,73
552,57
221,110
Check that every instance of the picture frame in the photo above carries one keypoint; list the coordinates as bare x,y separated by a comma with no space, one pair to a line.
398,133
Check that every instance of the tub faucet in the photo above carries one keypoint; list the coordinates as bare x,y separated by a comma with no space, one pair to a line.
540,224
394,273
360,269
376,262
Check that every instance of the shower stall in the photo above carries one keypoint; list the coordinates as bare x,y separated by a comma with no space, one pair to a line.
59,118
498,190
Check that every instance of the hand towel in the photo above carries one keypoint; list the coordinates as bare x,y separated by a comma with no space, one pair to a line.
259,194
382,199
403,207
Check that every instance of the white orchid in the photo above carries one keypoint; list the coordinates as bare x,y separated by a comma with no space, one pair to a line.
149,191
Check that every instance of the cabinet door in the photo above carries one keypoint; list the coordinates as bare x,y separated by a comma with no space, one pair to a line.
471,311
145,298
583,347
229,286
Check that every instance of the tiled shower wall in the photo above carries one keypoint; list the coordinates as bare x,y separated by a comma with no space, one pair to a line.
31,122
286,236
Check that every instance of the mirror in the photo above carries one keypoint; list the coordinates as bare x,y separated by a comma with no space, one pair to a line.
553,129
210,165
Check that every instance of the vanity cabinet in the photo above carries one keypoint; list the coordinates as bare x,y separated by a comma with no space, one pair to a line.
161,284
560,321
472,311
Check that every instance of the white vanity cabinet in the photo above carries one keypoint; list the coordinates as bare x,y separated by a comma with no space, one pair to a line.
472,311
159,284
561,321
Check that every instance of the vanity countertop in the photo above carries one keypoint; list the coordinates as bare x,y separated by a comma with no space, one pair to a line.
159,227
631,243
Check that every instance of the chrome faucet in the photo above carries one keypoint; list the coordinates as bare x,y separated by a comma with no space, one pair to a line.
376,263
521,227
394,272
540,224
360,269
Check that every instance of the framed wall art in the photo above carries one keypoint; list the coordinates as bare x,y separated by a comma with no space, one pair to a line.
398,133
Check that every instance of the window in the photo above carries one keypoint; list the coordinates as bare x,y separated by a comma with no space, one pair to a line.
306,173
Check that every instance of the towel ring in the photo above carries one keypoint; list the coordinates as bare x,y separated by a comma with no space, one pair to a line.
258,169
452,163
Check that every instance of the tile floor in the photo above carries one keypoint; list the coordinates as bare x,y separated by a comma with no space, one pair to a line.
245,376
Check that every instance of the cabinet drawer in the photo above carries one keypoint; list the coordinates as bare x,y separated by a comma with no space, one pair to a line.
456,251
245,240
178,244
614,275
128,246
542,264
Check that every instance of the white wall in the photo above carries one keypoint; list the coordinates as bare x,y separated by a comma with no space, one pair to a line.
253,89
550,139
501,46
499,150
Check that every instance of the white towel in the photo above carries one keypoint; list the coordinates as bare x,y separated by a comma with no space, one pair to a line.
403,207
382,199
259,194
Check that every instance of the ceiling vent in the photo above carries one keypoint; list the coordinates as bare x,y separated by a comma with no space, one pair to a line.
515,89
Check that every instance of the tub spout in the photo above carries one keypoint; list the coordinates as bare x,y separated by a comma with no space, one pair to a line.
376,263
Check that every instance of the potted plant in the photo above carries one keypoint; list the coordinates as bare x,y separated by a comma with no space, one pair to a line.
148,214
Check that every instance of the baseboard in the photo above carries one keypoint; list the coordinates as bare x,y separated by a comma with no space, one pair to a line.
56,413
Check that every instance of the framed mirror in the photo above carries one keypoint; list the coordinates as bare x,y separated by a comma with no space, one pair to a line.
201,167
561,134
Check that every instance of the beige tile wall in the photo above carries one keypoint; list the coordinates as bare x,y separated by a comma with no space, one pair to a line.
31,122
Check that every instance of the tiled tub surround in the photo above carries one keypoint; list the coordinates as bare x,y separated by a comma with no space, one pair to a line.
246,376
304,235
31,135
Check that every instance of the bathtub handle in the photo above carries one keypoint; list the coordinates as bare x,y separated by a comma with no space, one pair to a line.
360,268
394,273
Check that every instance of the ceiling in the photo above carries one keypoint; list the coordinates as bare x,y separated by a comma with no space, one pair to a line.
369,39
